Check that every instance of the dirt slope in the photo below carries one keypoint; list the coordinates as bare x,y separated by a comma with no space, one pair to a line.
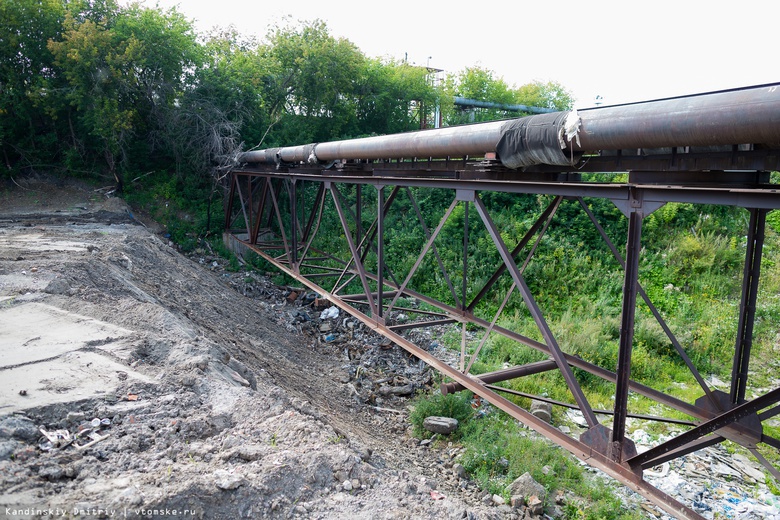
213,404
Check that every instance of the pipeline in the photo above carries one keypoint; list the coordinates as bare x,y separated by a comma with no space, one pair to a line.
477,103
749,115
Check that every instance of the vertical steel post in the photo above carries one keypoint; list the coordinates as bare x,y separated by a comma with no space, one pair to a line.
336,195
293,186
260,211
359,213
747,306
643,294
633,247
465,254
229,206
464,284
380,249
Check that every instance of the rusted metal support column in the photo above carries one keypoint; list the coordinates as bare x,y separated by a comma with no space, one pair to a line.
464,284
249,203
336,195
260,211
293,190
380,250
359,213
229,206
242,202
643,294
618,447
280,223
747,306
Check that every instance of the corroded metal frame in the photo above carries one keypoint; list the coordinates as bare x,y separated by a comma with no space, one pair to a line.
260,219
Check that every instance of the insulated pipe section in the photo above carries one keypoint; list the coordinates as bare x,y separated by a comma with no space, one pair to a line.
742,116
524,137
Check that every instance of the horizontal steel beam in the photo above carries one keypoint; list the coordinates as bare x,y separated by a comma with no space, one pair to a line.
760,197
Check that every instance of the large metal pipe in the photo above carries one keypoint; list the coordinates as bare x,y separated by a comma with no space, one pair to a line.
477,103
749,115
740,116
457,141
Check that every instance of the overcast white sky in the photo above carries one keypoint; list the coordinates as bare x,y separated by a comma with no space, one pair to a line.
620,50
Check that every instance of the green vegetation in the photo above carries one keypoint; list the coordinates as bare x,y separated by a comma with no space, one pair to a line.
691,267
498,450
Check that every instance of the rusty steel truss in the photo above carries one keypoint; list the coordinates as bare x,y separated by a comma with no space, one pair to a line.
707,149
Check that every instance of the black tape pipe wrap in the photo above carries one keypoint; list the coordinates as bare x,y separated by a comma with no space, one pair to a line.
539,139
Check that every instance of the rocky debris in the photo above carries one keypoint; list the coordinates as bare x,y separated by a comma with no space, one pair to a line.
18,427
440,425
541,410
716,483
526,486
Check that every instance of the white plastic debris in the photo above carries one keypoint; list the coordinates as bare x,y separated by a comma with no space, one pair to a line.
331,312
572,127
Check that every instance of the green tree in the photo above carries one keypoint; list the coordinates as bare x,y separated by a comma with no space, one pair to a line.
122,66
28,80
546,95
482,85
313,78
390,95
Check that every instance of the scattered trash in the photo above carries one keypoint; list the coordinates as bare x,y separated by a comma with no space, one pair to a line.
95,438
60,439
132,397
57,439
435,495
331,312
23,392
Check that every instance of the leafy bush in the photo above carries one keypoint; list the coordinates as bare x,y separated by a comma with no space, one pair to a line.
456,406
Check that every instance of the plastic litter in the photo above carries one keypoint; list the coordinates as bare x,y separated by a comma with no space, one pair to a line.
331,312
